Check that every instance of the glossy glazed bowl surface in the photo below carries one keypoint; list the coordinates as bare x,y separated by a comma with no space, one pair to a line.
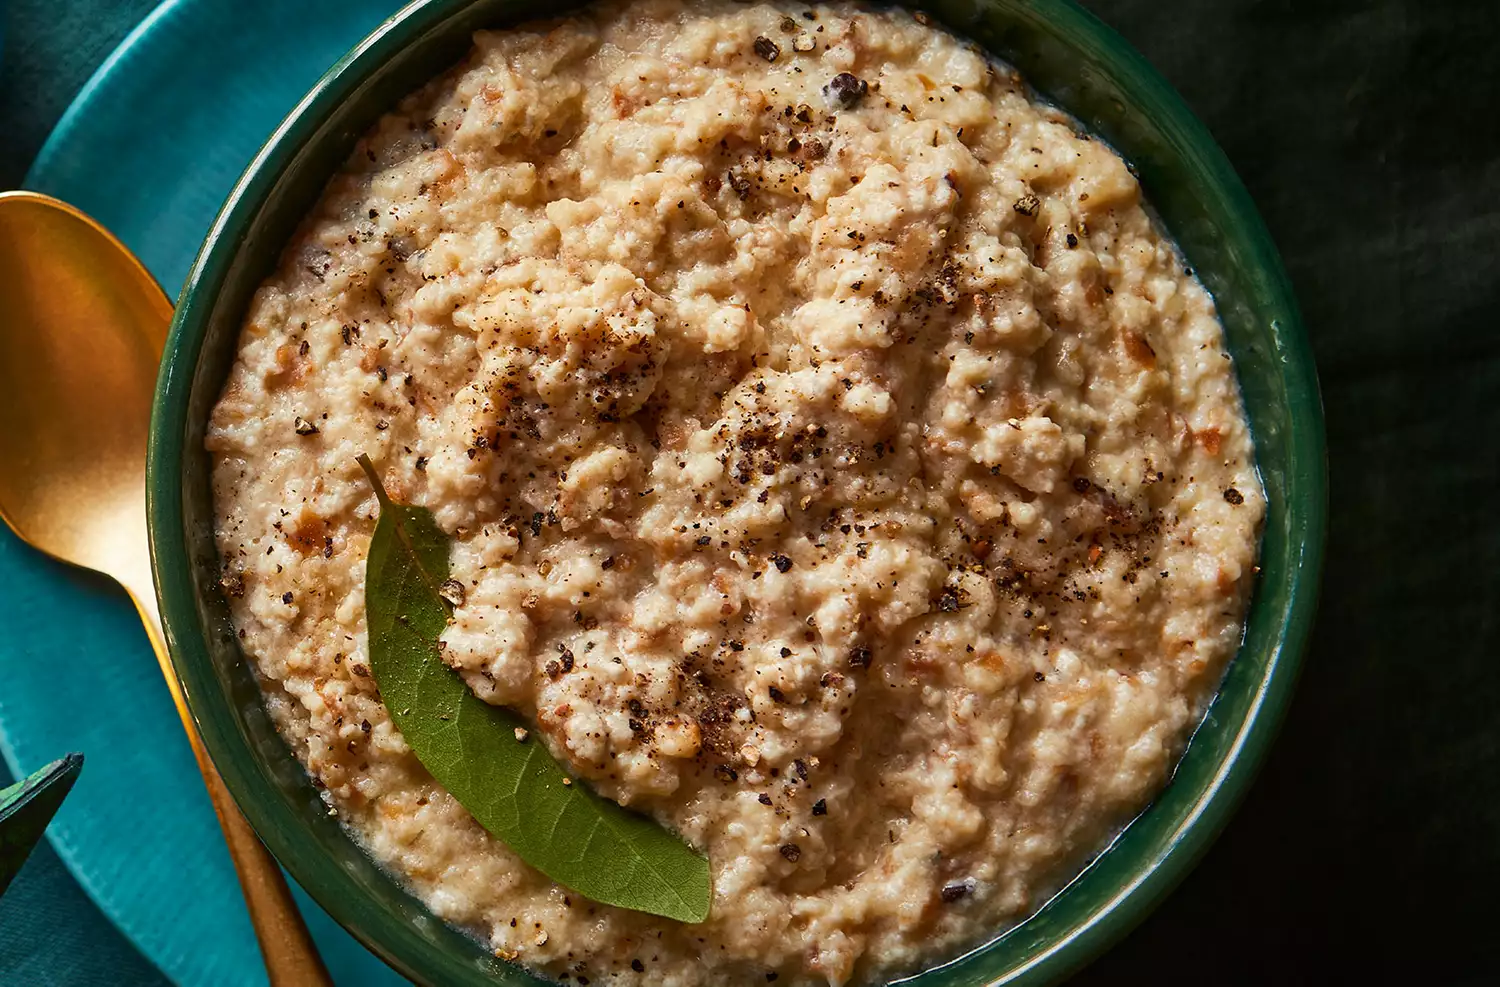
1070,58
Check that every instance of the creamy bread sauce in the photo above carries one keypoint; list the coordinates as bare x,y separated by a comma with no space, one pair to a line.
842,468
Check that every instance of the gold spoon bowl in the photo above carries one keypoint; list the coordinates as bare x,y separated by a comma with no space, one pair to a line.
82,325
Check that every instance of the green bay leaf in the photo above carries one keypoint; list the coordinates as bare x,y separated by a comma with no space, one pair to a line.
513,787
27,807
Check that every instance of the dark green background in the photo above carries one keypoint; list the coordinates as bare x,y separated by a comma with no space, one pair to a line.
1369,850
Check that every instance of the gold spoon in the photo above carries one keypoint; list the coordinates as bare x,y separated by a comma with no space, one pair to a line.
82,325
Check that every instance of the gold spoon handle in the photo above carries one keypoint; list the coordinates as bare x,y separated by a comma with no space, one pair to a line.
290,956
285,944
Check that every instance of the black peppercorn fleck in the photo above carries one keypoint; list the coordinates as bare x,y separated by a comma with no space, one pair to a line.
452,591
954,891
846,91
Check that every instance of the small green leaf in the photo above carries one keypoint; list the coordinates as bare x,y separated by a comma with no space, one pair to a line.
27,807
512,786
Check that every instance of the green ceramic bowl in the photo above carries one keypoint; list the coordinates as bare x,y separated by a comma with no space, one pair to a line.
1072,59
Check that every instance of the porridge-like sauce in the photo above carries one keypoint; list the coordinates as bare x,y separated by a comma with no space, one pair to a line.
834,407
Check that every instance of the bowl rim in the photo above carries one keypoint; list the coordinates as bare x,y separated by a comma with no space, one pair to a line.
1153,878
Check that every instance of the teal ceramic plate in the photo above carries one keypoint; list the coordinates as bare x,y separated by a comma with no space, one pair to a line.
1069,56
151,147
